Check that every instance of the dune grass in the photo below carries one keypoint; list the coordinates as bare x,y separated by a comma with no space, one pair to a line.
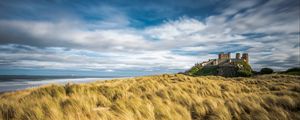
162,97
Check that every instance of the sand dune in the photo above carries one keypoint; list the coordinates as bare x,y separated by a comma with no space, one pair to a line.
170,97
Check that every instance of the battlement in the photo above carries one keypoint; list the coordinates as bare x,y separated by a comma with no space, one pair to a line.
227,56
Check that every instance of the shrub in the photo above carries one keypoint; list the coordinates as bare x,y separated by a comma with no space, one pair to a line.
293,71
243,73
254,72
266,71
193,70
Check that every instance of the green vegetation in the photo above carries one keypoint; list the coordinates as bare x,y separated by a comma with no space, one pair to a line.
245,70
213,70
244,73
266,71
194,70
162,97
293,71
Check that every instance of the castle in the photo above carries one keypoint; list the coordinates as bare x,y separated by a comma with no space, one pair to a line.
225,59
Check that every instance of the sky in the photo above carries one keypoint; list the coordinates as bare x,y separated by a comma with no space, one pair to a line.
139,37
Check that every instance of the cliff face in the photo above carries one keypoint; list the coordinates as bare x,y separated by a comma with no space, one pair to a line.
234,70
228,71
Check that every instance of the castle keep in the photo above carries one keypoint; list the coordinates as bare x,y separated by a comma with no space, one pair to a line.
225,59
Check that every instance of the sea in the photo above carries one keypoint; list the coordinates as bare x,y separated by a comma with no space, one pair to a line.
20,82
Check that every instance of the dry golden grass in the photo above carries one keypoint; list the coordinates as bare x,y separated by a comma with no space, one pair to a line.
163,97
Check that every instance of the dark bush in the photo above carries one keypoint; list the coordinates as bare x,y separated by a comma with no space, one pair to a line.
293,71
254,72
266,71
296,69
243,73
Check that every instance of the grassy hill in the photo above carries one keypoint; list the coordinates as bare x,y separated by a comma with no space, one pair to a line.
172,97
237,69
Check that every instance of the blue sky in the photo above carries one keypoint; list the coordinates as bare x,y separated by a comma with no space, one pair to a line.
138,37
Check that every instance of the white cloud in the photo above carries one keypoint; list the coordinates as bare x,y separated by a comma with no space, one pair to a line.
113,48
170,30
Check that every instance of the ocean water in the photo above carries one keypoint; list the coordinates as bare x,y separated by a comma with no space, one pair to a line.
13,84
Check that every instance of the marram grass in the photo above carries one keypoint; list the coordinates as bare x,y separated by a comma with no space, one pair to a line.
162,97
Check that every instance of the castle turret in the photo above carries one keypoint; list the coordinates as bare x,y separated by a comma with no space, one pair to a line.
245,57
238,56
223,56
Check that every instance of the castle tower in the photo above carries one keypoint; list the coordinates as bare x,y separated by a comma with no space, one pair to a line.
221,55
238,56
245,57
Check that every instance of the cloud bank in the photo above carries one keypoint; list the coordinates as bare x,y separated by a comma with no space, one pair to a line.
117,41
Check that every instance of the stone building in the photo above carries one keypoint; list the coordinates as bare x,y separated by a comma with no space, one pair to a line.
224,59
